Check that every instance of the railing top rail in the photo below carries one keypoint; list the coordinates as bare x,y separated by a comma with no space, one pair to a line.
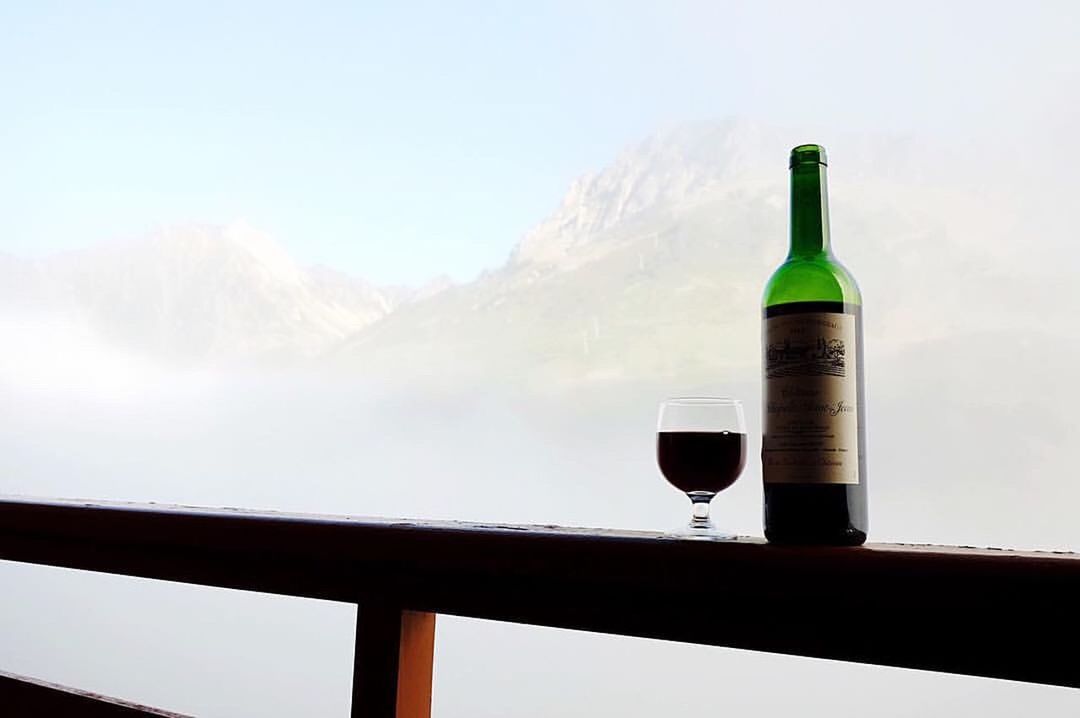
977,611
23,696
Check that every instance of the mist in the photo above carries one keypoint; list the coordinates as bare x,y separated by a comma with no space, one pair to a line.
306,441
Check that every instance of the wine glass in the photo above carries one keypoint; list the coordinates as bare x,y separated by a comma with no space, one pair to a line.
701,450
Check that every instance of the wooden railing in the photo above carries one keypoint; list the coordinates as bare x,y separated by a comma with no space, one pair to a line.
992,613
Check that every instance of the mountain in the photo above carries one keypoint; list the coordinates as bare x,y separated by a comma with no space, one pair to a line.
666,170
649,269
652,268
197,293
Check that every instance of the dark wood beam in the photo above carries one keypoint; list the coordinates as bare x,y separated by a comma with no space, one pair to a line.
29,697
972,611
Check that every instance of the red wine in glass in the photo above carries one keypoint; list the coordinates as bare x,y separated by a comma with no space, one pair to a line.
708,461
701,450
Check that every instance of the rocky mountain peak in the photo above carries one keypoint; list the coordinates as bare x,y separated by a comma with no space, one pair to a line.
670,168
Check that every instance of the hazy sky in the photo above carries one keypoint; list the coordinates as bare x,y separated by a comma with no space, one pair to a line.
401,140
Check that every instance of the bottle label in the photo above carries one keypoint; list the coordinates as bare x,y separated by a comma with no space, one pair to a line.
811,432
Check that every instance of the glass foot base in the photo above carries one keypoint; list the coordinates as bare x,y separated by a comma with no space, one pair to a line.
701,533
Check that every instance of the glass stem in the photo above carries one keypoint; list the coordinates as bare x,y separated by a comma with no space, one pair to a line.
699,501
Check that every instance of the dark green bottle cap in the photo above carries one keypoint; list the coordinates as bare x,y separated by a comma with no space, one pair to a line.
807,155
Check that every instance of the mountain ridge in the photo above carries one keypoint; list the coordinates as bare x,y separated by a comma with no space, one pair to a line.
193,292
650,267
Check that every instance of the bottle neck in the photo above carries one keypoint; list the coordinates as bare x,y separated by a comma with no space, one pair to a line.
809,211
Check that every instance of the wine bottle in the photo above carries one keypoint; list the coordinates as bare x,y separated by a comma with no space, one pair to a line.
814,419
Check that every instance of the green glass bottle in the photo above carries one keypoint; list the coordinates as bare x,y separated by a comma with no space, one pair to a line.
814,431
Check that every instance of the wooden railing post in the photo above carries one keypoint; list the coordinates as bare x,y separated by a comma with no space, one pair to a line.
393,664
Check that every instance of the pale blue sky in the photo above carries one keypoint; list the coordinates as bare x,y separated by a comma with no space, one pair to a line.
400,140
